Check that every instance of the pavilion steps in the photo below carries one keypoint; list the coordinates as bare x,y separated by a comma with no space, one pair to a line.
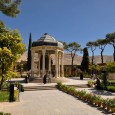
52,87
34,88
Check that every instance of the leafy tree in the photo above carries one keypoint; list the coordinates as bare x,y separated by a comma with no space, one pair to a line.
111,40
110,67
72,47
85,61
29,53
11,47
10,7
92,45
101,43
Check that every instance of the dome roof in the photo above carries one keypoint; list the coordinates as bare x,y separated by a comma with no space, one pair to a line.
47,40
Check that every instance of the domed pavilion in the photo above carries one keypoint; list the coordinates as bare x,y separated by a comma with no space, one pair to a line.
44,47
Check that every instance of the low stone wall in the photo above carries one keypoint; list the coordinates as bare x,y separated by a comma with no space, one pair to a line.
111,76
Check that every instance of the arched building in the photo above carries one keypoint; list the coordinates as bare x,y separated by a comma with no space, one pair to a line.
44,47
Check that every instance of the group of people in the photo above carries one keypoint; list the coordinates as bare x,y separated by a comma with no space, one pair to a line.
47,78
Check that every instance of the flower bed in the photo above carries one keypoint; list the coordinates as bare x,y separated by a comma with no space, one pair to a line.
108,104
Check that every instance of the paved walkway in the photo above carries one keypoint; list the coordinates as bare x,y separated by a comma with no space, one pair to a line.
49,102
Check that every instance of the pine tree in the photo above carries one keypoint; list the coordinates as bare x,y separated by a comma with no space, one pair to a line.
85,61
29,53
10,7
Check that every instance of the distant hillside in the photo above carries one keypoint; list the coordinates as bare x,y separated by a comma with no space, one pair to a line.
77,60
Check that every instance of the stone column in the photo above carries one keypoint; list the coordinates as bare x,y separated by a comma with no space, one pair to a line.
59,65
32,63
56,63
39,55
43,63
49,62
62,66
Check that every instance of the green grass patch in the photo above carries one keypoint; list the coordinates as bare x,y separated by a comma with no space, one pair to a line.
4,96
111,82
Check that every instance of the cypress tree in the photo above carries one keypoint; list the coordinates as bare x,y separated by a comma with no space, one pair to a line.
29,53
85,61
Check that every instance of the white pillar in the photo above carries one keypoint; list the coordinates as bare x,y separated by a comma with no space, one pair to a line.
39,55
59,65
32,63
56,66
43,63
49,62
62,66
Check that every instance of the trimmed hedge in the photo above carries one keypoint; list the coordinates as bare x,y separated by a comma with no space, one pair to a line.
111,88
2,113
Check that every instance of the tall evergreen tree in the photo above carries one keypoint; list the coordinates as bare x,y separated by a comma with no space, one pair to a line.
29,52
85,60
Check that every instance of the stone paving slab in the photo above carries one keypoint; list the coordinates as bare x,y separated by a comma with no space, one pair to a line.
49,102
102,93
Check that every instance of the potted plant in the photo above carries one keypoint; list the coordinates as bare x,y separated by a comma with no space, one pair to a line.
104,103
111,105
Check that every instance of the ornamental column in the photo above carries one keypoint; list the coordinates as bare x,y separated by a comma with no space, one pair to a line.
49,62
56,63
39,55
43,62
32,63
62,66
59,65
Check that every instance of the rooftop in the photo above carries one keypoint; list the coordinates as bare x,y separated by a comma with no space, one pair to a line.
47,40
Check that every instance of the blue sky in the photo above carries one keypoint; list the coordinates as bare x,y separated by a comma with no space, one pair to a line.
66,20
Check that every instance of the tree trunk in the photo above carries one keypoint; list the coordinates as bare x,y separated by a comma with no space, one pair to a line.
92,57
1,83
102,56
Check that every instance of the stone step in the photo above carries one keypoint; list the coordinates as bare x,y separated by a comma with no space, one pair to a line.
52,87
33,88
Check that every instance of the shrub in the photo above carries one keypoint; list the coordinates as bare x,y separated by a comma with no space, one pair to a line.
111,88
110,67
2,113
90,83
16,95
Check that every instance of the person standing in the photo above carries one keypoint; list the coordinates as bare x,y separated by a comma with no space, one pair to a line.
44,79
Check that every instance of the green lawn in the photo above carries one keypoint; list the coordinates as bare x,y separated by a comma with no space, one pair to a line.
4,96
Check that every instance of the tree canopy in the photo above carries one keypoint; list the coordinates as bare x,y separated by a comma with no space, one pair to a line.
11,47
101,43
111,40
10,7
72,47
92,45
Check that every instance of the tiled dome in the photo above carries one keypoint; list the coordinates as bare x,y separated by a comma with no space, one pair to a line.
47,40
